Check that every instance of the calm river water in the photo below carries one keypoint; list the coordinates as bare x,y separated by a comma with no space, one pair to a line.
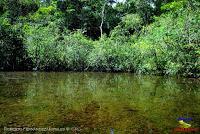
96,103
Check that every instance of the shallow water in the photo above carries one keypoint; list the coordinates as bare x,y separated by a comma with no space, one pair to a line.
107,103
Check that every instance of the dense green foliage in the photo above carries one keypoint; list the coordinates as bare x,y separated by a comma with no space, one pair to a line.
142,36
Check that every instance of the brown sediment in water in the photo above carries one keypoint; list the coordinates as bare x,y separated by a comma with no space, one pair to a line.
98,103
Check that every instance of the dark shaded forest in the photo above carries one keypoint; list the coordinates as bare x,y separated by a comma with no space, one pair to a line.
141,36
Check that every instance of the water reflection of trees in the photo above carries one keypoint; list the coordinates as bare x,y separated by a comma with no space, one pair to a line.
125,102
12,86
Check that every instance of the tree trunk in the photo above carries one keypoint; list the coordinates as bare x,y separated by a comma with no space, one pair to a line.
102,18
